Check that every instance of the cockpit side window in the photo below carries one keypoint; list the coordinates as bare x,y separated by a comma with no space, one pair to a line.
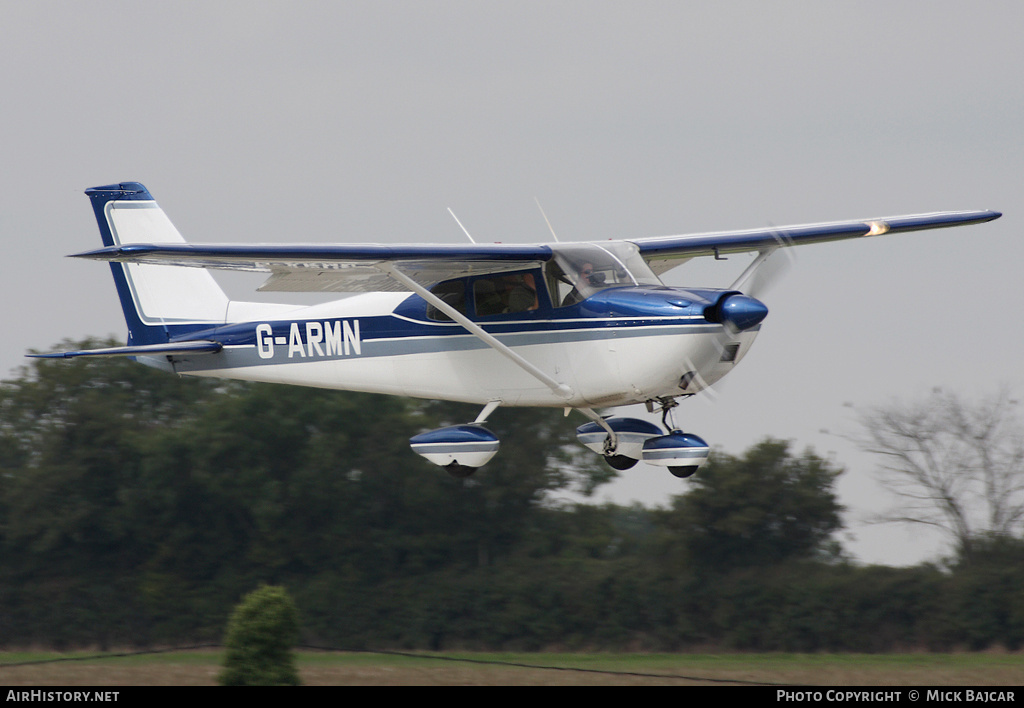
578,271
453,292
559,285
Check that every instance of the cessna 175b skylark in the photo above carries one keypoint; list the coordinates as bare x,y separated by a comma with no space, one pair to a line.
570,325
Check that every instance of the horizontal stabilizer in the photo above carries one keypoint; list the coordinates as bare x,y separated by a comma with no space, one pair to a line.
169,349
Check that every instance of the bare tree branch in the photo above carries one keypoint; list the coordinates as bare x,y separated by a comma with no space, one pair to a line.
952,464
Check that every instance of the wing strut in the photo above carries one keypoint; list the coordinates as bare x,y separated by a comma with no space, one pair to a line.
762,256
486,412
560,388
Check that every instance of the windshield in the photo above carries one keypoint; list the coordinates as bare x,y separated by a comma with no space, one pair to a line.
577,271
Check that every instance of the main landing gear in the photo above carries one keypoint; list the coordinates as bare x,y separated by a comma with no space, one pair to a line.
460,449
625,441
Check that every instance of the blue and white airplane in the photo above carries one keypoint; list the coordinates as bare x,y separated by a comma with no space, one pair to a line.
570,325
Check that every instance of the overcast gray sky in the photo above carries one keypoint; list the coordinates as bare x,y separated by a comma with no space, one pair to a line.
364,121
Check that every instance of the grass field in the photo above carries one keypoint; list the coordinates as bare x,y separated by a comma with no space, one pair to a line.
198,668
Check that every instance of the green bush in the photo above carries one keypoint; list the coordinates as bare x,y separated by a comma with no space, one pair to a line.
259,641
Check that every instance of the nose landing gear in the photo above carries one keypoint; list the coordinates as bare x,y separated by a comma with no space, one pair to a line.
625,441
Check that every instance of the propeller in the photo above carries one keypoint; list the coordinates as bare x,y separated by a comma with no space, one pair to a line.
743,309
764,272
767,268
737,310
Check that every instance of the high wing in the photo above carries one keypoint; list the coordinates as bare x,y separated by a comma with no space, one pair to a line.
665,252
370,267
335,267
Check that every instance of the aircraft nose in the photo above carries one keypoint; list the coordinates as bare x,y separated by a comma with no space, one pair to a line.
741,312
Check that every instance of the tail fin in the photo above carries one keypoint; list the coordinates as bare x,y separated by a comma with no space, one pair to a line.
158,301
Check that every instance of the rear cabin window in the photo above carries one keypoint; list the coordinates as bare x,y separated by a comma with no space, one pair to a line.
505,294
452,293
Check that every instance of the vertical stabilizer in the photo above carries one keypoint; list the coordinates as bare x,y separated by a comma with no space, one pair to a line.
158,301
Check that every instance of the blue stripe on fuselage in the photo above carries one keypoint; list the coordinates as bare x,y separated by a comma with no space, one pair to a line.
407,330
281,342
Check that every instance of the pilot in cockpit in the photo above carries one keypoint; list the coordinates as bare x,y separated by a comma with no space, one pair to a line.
587,282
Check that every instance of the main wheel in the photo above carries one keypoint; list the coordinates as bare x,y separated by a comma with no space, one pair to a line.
683,472
459,471
620,462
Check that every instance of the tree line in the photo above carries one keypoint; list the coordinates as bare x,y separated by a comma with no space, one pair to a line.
137,508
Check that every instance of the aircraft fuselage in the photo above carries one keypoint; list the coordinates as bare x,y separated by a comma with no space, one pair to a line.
619,346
